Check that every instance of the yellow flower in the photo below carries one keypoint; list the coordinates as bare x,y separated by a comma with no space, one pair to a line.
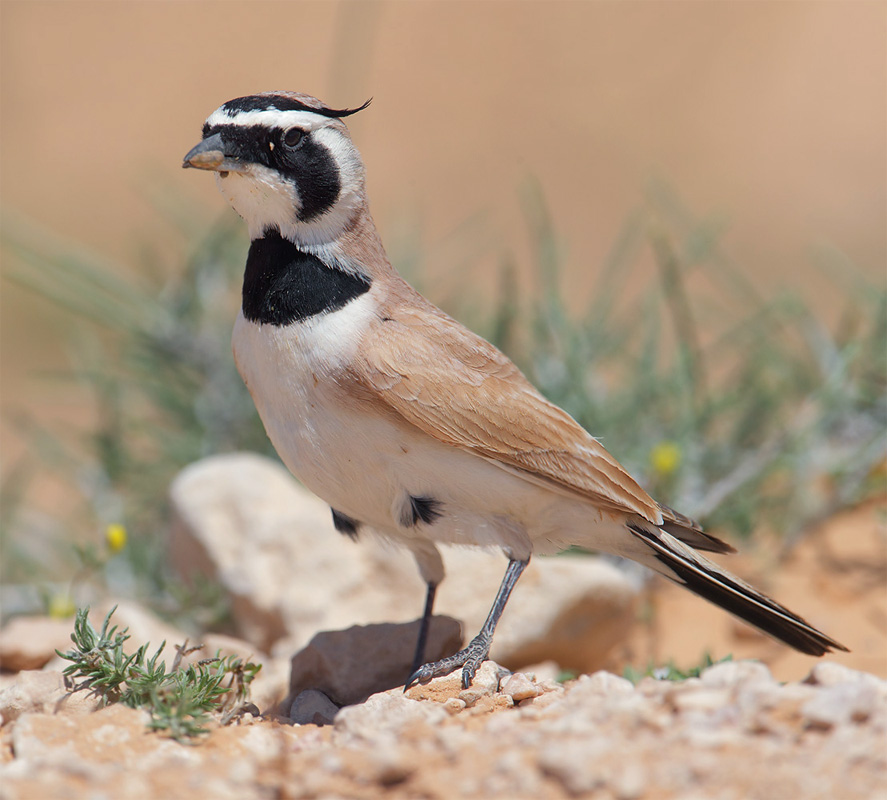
115,537
61,606
665,458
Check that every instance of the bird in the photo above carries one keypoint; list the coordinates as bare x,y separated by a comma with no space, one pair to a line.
410,426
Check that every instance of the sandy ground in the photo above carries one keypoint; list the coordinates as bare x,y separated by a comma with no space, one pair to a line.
835,578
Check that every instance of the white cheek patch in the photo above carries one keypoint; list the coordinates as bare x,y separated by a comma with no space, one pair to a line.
347,159
271,118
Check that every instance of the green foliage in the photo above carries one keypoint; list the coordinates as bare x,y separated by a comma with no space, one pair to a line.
739,410
156,359
180,701
670,672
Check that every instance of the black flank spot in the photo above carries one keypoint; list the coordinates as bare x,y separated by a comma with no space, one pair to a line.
345,525
420,509
283,285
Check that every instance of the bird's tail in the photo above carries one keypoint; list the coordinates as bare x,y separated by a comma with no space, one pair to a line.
685,566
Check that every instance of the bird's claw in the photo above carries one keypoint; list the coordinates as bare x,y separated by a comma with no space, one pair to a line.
470,659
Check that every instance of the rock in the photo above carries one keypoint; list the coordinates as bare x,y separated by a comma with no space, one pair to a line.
243,521
36,736
240,519
271,686
36,691
702,699
543,672
454,705
597,737
31,642
840,704
312,707
576,765
828,673
601,683
569,609
485,684
520,687
731,673
350,665
387,717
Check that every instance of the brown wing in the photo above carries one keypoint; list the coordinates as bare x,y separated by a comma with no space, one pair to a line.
461,390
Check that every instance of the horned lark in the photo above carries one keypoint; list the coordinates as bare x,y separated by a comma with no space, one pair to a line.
409,425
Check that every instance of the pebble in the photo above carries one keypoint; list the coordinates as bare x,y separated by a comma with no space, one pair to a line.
312,707
731,673
519,687
839,704
828,673
603,683
454,705
701,700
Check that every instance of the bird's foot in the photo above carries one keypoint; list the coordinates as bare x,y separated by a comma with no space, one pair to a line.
470,658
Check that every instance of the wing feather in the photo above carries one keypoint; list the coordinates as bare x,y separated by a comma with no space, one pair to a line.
459,389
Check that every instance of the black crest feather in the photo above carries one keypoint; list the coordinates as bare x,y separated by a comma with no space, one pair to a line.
282,102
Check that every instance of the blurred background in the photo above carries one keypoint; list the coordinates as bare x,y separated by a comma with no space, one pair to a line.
671,214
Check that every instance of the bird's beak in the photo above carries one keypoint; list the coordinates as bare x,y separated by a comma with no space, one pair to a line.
210,154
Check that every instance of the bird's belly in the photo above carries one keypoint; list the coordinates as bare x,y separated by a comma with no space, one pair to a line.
367,463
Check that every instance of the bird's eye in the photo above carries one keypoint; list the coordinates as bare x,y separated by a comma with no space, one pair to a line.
293,136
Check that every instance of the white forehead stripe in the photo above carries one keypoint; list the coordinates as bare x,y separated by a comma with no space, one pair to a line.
271,118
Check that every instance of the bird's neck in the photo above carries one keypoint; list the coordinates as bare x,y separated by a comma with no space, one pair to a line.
286,281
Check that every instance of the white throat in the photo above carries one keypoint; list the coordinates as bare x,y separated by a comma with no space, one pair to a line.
265,199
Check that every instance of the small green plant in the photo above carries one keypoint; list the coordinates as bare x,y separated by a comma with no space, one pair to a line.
670,672
181,701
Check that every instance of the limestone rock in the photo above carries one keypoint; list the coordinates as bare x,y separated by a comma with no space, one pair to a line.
840,704
312,707
485,684
350,665
732,673
828,673
242,520
387,716
31,642
36,691
598,736
520,687
569,609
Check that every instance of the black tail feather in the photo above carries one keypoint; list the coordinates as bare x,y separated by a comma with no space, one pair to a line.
709,581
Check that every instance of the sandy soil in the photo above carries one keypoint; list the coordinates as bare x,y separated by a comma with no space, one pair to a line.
835,578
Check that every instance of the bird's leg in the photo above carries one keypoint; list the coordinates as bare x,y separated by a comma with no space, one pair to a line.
419,657
471,657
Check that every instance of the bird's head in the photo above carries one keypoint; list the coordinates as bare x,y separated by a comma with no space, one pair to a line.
285,161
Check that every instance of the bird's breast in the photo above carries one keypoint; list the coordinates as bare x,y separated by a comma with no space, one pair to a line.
365,461
324,436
